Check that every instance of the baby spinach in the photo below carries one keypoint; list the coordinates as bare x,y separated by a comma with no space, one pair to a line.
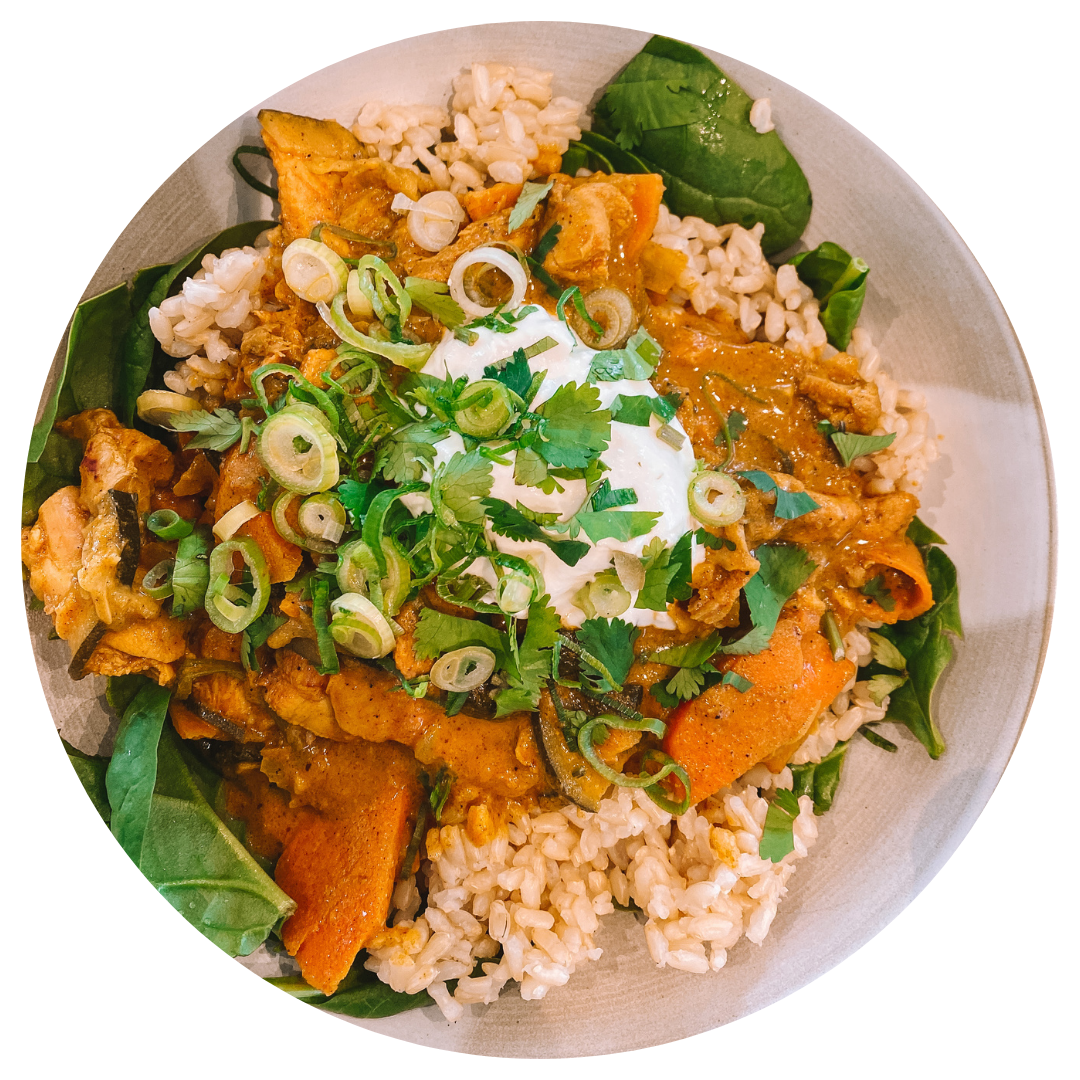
683,118
57,466
360,995
820,779
91,773
839,284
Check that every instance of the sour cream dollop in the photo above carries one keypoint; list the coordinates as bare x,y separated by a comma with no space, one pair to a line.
636,458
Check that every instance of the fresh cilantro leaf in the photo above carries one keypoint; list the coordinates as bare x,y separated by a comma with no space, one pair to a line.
736,423
819,780
502,322
406,454
638,409
714,543
660,572
214,431
575,428
515,375
611,641
850,446
530,469
789,504
437,633
926,647
356,496
777,839
618,525
921,535
875,588
687,683
733,678
782,571
534,659
636,360
886,653
530,196
881,686
693,654
434,297
679,587
607,498
459,487
514,525
255,636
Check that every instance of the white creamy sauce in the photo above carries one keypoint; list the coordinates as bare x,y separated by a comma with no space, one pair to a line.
636,458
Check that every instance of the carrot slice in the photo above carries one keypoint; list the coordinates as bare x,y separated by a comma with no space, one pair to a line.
283,558
900,563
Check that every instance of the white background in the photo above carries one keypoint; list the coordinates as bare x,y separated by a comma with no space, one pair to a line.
105,100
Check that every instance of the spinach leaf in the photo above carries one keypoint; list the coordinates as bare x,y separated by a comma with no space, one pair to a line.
839,283
140,356
921,535
686,120
820,780
602,154
132,771
360,995
57,466
91,774
200,867
927,650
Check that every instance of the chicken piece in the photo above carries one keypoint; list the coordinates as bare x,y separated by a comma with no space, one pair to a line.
116,458
283,557
230,698
591,216
369,703
490,230
716,591
856,406
887,515
159,638
108,661
297,693
323,176
340,866
52,552
102,551
242,477
836,516
722,733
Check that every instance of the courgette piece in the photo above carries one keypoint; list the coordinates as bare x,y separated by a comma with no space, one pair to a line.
126,509
574,776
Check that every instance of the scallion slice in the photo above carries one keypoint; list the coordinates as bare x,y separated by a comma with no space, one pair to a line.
230,607
322,517
157,582
614,311
604,597
515,592
359,304
232,520
298,452
463,670
670,436
403,353
483,410
716,499
313,271
359,572
168,525
497,259
359,627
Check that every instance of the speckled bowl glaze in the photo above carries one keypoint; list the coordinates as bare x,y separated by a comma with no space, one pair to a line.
940,328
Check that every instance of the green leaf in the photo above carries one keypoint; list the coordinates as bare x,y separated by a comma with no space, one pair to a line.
607,498
687,683
660,574
638,409
875,739
404,455
200,867
91,774
214,431
733,678
132,771
371,1001
921,535
533,661
636,360
139,348
714,165
820,780
692,655
57,466
459,488
886,653
736,423
789,504
881,686
679,587
575,428
876,589
714,543
611,641
782,571
850,446
530,469
434,297
254,637
839,284
777,839
510,522
621,525
514,375
437,633
356,496
527,201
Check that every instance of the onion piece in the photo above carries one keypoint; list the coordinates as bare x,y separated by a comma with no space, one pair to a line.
463,670
158,406
716,499
168,525
231,521
614,311
434,219
630,570
488,256
359,304
323,517
313,271
673,437
157,581
298,451
359,627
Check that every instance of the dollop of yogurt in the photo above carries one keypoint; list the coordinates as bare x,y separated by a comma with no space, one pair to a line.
636,458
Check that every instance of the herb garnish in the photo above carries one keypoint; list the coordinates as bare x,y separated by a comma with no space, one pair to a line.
789,504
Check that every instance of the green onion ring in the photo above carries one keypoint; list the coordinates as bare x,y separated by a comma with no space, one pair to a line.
730,503
463,670
221,597
157,582
168,525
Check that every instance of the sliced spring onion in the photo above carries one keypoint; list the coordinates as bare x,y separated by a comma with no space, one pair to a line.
434,219
403,353
158,406
359,572
673,437
387,296
483,410
716,499
515,592
321,617
359,627
298,452
157,582
191,573
168,524
359,304
313,271
280,514
614,311
357,238
488,257
831,629
230,607
463,669
630,570
322,517
603,597
234,518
